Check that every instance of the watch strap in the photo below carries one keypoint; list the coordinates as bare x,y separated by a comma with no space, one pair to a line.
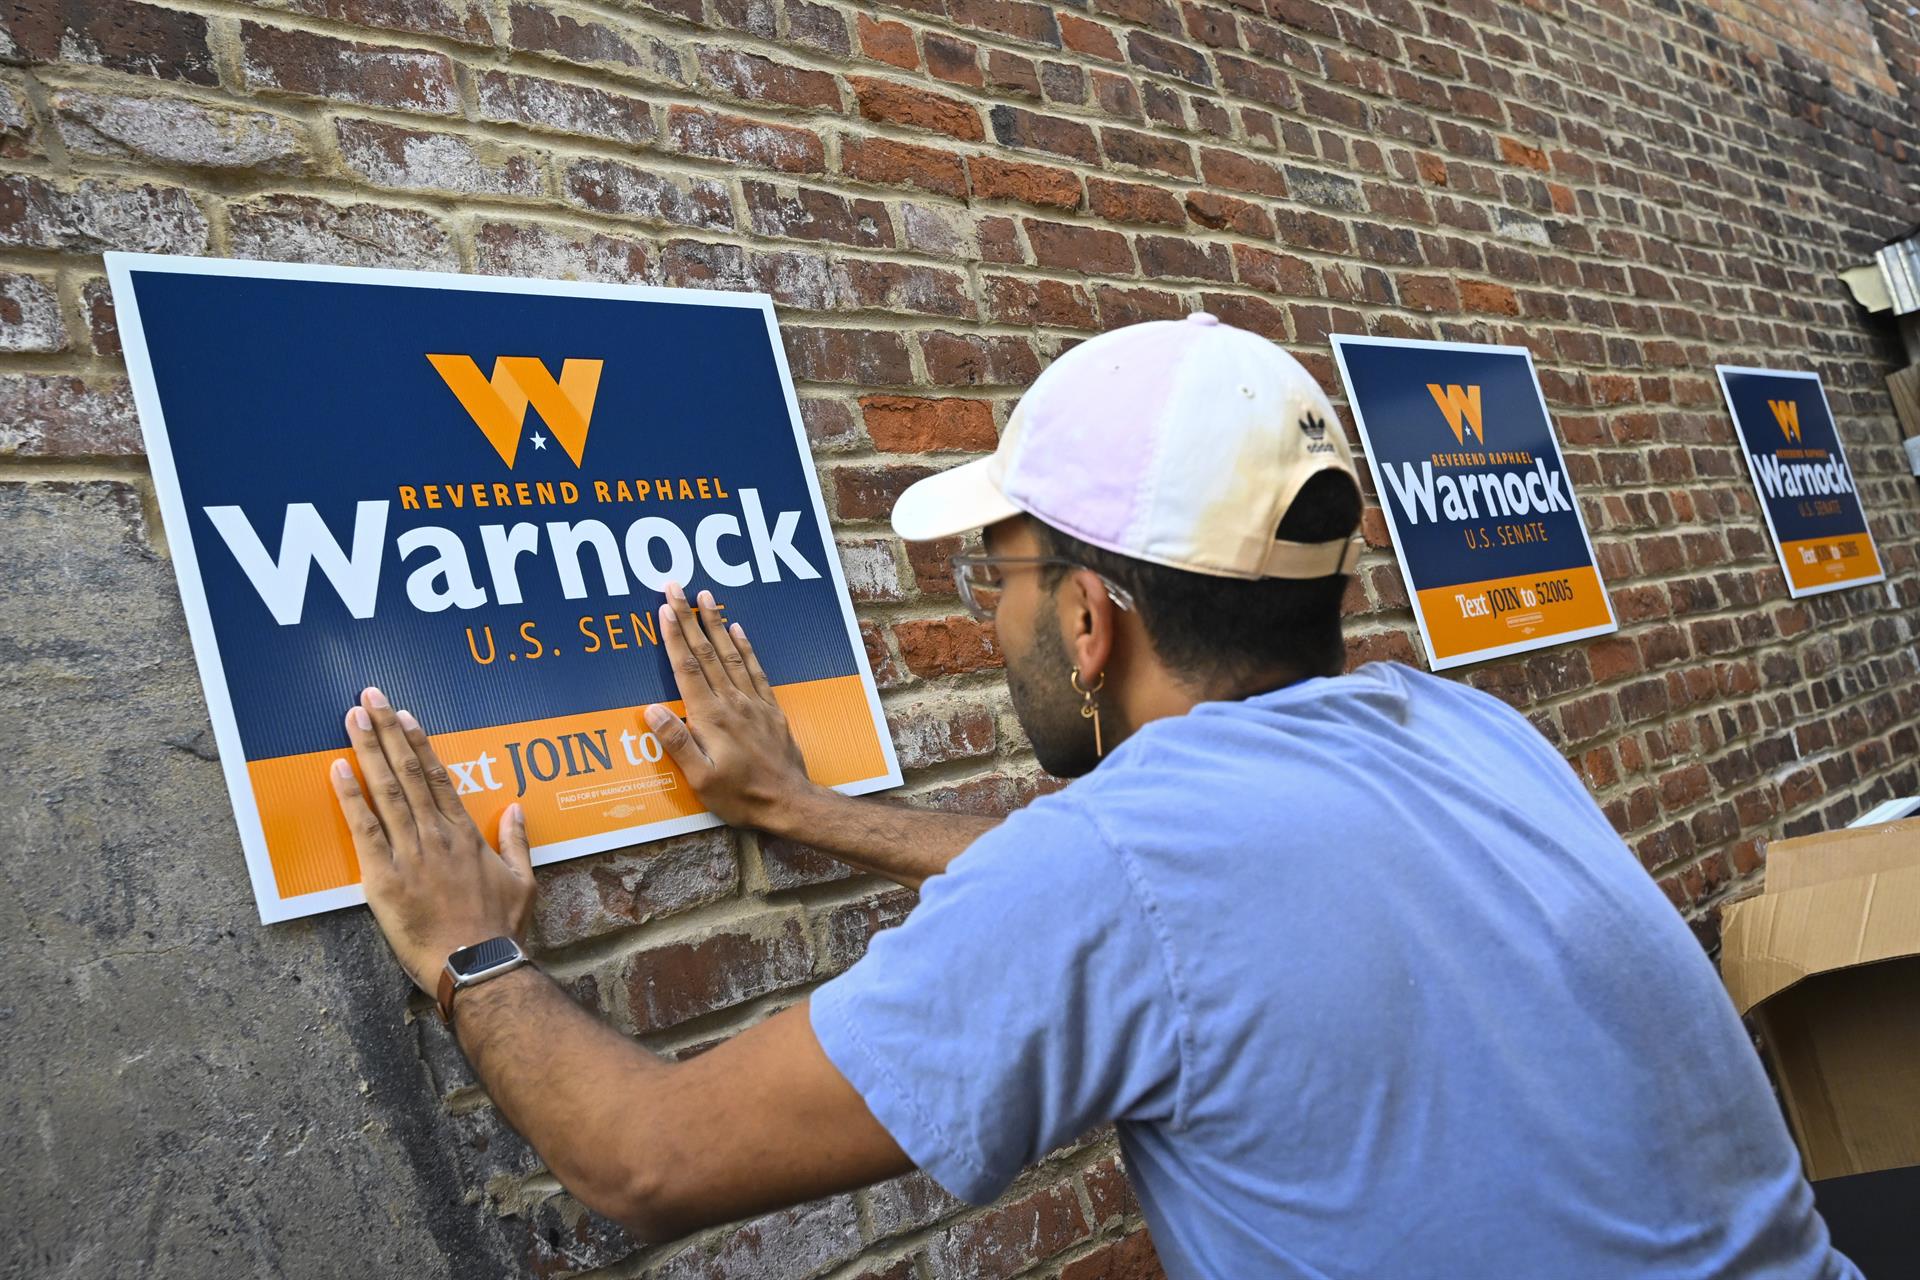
444,996
452,979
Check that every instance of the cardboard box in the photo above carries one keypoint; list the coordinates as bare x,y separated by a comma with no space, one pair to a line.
1829,957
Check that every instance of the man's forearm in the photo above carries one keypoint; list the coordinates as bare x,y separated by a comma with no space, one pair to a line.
567,1082
906,845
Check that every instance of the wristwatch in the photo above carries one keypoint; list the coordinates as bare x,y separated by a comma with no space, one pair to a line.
472,965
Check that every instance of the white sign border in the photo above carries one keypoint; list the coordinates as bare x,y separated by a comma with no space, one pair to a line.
1720,372
166,482
1434,662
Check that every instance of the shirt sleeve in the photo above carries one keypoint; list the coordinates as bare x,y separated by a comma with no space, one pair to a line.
1024,1001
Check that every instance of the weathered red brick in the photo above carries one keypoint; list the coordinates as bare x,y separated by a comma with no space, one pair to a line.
1034,184
1063,82
293,228
1132,306
1169,57
1075,247
465,21
1514,151
1134,202
1240,172
888,163
1219,212
1002,1242
95,214
1148,151
319,66
871,570
1254,314
786,148
535,28
1015,19
1272,272
590,897
56,416
891,102
861,357
1021,301
1132,1257
115,35
1305,229
954,60
811,214
914,287
804,279
817,26
913,424
847,929
753,78
30,314
388,155
869,492
608,186
1483,295
560,107
805,1240
1427,293
1109,1193
1162,256
670,983
546,252
1160,15
971,360
1090,38
696,264
789,865
889,42
946,646
1029,130
1012,74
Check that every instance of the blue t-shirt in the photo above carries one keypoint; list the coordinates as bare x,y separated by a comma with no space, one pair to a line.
1370,989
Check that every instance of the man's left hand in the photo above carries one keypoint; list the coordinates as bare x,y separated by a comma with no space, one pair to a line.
434,883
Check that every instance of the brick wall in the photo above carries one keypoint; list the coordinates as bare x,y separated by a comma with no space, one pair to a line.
940,195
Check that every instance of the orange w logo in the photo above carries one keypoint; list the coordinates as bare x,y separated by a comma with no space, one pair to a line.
499,406
1787,414
1458,404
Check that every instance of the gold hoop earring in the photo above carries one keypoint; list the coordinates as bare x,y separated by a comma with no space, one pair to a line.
1089,709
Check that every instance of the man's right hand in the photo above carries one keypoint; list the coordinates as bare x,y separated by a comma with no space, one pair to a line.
734,746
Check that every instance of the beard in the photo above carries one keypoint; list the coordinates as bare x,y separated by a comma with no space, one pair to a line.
1049,710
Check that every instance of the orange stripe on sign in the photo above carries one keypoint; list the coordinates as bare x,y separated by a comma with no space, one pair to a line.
1504,611
1821,562
593,785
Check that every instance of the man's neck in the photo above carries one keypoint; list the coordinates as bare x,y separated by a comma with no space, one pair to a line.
1162,694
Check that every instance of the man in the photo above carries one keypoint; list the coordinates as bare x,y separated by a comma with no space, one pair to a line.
1363,977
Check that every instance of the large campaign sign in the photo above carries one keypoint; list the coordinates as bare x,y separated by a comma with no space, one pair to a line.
472,493
1800,469
1477,497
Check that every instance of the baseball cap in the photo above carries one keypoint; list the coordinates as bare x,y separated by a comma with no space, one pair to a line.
1180,442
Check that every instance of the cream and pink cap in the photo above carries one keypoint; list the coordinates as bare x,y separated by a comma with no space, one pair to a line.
1180,442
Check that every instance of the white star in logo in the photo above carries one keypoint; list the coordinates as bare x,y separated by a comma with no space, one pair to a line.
539,441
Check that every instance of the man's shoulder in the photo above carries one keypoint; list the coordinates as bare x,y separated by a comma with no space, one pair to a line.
1051,836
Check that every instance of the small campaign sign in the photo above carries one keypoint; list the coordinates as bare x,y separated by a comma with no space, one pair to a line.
1800,470
471,493
1477,497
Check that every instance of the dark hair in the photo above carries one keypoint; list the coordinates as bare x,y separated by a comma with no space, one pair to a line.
1222,633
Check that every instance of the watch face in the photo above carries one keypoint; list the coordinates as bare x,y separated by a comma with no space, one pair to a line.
482,956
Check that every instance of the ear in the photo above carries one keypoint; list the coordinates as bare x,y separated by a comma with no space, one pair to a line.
1088,620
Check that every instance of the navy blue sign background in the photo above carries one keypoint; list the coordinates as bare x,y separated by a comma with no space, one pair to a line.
1747,396
299,391
1404,426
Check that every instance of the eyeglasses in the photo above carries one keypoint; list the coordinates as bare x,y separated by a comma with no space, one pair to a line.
980,583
